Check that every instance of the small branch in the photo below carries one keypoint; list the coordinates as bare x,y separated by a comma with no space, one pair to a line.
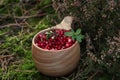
16,62
4,50
4,34
26,17
90,45
12,24
5,56
22,17
24,71
65,78
90,78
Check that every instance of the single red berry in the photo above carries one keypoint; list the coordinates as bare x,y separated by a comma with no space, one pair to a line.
67,45
40,35
44,36
69,40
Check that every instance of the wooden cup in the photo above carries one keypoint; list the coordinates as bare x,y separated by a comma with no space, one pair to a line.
56,62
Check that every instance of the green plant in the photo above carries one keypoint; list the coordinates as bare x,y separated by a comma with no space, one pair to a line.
76,35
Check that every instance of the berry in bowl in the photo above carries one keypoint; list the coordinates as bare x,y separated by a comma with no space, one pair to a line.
54,40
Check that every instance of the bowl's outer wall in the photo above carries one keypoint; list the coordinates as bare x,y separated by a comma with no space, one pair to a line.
56,63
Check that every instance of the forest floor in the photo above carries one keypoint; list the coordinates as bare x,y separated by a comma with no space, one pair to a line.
19,22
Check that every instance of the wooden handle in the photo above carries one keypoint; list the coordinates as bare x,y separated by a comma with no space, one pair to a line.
66,23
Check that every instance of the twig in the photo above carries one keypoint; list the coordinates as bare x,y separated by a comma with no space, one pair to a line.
5,50
90,45
11,24
5,56
24,71
28,24
47,6
90,78
17,62
65,78
22,17
26,17
4,34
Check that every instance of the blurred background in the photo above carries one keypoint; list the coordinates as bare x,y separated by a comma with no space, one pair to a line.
99,20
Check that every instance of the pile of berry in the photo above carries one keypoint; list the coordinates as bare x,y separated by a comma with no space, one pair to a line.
54,40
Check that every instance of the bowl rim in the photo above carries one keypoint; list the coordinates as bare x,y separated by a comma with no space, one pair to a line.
33,42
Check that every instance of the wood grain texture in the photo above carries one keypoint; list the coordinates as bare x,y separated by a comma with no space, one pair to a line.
56,62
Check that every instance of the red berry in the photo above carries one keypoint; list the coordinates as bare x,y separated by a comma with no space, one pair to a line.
42,44
57,41
44,36
40,35
59,47
69,40
67,45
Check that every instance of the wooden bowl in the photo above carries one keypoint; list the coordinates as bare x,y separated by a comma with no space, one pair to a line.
55,62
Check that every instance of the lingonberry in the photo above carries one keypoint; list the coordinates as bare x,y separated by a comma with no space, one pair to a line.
56,40
69,40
